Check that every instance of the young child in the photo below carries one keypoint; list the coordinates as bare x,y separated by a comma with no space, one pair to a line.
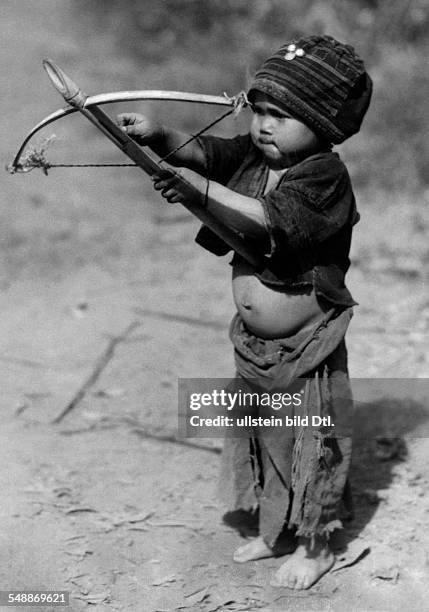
282,186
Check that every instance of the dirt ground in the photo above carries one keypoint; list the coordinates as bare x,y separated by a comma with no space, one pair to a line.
104,503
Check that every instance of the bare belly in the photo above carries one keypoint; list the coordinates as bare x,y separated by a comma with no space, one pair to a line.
270,313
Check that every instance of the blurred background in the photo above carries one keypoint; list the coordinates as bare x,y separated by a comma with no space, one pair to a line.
215,45
209,46
86,251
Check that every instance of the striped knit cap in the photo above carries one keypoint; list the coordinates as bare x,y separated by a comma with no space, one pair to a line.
321,82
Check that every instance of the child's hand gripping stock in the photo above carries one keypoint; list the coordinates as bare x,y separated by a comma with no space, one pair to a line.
146,132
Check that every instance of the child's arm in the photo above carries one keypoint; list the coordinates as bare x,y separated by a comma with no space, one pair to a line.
240,212
162,140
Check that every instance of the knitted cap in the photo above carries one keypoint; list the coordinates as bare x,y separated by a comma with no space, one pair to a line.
322,82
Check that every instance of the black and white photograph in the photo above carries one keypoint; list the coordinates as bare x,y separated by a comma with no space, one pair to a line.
214,283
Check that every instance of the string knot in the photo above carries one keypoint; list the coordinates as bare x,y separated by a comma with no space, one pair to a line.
239,101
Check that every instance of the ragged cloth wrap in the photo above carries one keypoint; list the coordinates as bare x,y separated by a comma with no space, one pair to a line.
296,480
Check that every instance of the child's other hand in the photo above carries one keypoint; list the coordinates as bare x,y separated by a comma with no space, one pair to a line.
139,128
173,190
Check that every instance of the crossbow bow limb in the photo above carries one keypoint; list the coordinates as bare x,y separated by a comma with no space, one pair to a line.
88,106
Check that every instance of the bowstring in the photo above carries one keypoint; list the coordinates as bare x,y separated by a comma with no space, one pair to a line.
239,102
163,159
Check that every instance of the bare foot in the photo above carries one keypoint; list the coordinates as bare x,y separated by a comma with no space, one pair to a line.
306,565
257,549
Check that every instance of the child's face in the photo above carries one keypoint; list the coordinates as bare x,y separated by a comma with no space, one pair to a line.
282,139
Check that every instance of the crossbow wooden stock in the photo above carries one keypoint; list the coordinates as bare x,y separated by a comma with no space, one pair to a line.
89,106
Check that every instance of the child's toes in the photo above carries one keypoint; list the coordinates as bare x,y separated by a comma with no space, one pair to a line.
301,582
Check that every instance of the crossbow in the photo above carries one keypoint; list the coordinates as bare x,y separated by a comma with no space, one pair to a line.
89,106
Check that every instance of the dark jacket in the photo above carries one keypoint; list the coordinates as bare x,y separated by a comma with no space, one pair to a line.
309,215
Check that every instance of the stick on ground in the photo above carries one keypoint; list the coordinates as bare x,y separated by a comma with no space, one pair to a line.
100,365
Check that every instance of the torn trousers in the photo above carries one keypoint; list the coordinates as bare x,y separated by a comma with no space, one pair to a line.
295,478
